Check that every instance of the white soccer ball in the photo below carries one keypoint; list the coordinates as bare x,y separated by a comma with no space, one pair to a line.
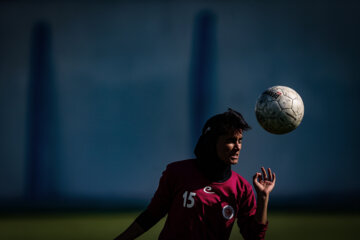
279,109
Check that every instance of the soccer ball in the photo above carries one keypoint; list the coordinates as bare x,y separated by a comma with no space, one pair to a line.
279,109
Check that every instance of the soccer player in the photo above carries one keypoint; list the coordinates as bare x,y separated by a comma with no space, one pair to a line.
203,196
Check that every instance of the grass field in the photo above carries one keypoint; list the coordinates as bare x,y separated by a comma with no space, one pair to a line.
89,226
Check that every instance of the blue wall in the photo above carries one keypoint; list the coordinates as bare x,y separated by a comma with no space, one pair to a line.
122,81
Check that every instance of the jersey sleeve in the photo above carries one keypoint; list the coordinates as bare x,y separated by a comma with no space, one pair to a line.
161,201
250,229
159,204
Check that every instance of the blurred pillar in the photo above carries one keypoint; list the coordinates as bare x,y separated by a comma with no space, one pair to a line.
203,73
42,125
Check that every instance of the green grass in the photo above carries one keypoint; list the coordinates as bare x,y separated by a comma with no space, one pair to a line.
295,226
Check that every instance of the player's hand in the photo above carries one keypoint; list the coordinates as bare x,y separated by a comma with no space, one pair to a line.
264,183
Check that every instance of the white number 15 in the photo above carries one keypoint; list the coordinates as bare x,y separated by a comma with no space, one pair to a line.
189,199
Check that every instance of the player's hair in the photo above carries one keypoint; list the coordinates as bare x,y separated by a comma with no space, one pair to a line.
220,124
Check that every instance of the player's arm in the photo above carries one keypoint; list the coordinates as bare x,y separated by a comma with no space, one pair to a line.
156,210
143,222
252,219
264,183
132,232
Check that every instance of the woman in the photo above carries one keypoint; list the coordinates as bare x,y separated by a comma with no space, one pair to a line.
203,196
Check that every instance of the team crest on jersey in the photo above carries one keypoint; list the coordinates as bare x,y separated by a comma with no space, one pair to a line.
228,212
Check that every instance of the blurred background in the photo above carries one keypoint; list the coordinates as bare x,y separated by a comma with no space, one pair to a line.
97,97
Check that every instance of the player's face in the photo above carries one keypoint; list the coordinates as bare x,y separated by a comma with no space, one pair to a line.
228,147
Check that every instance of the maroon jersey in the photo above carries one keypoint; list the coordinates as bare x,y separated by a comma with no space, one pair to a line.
200,209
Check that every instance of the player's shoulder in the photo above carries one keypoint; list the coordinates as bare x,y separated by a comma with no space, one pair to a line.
181,169
181,165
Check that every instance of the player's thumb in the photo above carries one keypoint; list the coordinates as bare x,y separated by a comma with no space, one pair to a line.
255,177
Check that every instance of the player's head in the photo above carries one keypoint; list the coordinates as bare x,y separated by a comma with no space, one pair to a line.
220,138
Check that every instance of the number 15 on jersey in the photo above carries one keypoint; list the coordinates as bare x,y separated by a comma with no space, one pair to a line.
189,201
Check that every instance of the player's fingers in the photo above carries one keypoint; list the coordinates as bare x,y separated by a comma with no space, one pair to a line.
270,175
274,177
256,177
264,173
